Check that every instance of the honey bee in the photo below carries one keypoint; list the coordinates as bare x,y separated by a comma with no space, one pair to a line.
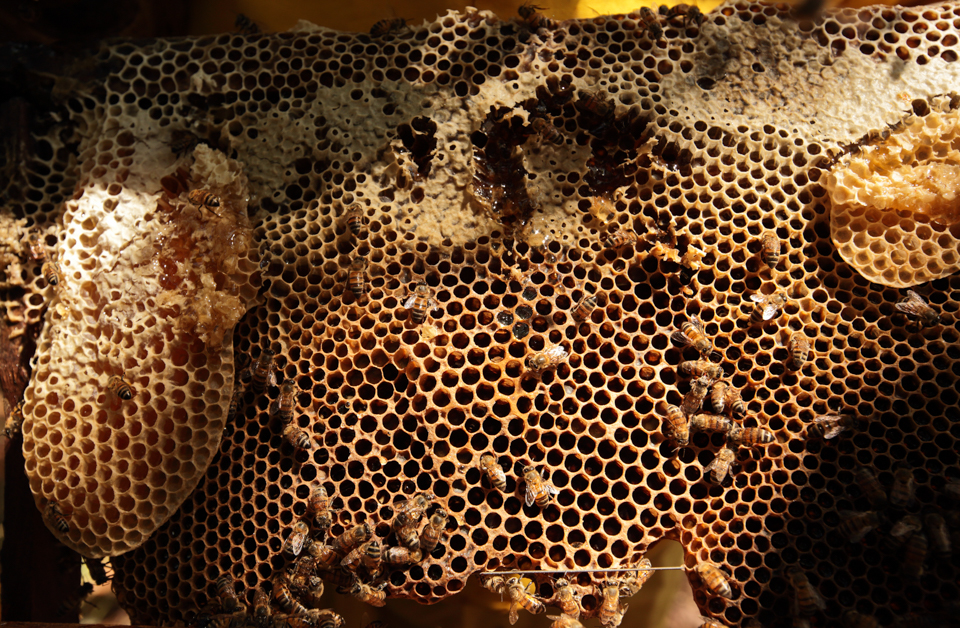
35,248
368,595
284,598
551,357
799,348
566,599
498,479
53,514
51,273
650,22
856,525
620,238
770,249
694,398
828,426
294,543
297,438
769,305
182,142
808,600
228,595
538,491
750,436
702,368
901,531
936,528
632,582
724,397
388,27
415,506
494,584
714,579
531,16
915,306
369,555
611,609
262,373
405,527
430,535
318,510
15,420
325,557
246,26
353,217
711,423
853,619
692,333
547,131
585,308
676,425
400,556
420,302
563,621
120,387
914,555
596,103
903,491
689,13
351,538
519,598
261,608
72,602
871,488
205,200
719,467
356,278
285,404
234,404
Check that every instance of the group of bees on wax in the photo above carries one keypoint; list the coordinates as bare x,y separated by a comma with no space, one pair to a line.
260,375
419,302
537,490
531,17
567,596
355,561
906,531
908,535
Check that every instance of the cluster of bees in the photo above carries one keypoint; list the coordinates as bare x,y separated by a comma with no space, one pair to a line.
355,561
610,592
567,596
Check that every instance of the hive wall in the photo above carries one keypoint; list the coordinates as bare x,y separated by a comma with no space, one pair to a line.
430,132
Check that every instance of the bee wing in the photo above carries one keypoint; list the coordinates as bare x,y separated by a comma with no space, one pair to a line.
769,311
530,495
514,616
695,321
297,545
679,338
272,380
758,298
556,353
409,302
911,306
550,488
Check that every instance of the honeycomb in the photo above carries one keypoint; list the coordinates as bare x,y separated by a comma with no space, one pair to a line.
894,214
577,193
